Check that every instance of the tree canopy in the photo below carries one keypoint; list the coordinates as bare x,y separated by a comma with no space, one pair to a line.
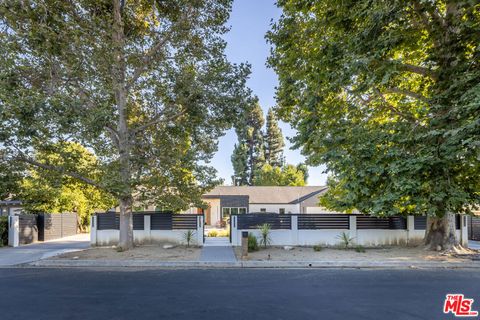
287,175
144,85
387,95
274,143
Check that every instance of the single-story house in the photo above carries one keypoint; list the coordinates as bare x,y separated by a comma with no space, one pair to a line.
226,200
10,207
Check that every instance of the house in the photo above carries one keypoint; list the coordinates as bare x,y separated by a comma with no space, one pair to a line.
226,200
10,207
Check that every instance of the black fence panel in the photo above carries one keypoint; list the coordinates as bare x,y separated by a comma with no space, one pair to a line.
389,223
28,230
253,221
108,221
420,222
323,221
474,228
138,221
184,221
161,221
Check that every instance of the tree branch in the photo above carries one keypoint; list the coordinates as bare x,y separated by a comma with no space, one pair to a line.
155,120
392,108
409,93
417,69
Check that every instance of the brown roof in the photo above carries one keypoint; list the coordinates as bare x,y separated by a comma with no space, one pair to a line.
265,195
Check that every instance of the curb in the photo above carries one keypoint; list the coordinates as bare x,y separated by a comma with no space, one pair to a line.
253,264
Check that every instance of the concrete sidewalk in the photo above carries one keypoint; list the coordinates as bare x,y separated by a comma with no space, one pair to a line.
42,250
474,244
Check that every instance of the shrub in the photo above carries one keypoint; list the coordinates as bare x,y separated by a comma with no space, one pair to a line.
252,243
360,249
188,237
212,233
265,234
317,248
224,233
3,231
345,240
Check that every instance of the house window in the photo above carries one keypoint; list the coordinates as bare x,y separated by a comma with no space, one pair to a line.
281,210
263,210
227,211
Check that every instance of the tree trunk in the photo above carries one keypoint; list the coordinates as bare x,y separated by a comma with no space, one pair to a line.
126,224
123,143
440,232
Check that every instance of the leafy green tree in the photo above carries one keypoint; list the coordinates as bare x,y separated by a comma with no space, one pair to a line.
144,85
42,191
274,143
288,175
387,95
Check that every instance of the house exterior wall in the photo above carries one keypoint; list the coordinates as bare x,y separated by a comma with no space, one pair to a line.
274,208
234,201
215,210
316,210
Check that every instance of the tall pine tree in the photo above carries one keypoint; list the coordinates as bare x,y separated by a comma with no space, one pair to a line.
250,137
274,143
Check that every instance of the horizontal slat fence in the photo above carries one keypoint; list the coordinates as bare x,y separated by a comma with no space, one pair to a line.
390,223
323,221
56,225
158,221
253,221
474,229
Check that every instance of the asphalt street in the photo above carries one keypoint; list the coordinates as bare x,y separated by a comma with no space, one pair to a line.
36,293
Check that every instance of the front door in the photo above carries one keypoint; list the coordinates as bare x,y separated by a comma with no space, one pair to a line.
208,217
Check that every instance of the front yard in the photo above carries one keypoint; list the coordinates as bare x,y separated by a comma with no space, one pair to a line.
396,253
144,252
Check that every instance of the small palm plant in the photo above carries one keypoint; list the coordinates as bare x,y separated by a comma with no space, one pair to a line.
265,234
345,240
188,237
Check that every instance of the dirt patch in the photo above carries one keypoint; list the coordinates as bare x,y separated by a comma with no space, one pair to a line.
145,252
333,254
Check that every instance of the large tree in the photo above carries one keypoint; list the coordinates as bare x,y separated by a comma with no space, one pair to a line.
287,175
144,85
387,95
250,137
274,143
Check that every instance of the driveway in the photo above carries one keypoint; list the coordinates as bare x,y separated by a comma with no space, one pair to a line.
43,250
474,244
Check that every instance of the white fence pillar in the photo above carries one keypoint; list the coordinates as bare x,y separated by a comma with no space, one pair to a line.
234,231
353,227
410,227
93,230
464,230
200,226
13,231
294,230
147,227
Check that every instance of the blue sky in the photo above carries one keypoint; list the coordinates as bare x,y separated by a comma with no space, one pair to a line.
249,21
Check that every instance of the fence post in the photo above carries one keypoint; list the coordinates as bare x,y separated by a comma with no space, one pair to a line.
13,231
353,227
93,230
233,230
410,227
200,231
294,229
147,227
464,230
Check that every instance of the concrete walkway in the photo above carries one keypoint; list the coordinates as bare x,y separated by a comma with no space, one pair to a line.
42,250
217,249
